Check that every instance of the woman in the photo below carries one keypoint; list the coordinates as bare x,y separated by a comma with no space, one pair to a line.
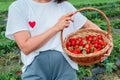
35,25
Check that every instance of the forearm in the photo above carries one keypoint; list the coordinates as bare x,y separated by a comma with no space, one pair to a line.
29,44
90,25
39,40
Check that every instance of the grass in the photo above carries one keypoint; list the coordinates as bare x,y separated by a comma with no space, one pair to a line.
4,5
78,2
10,64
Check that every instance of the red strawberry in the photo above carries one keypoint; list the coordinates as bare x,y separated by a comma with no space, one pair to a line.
95,50
87,46
80,39
78,50
73,42
68,44
88,50
99,36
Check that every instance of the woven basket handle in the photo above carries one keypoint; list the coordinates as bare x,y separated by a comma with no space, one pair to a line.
107,20
88,8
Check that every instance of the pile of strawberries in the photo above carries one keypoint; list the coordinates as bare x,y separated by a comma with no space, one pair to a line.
86,45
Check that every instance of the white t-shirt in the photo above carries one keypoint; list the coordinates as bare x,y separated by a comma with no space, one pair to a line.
37,18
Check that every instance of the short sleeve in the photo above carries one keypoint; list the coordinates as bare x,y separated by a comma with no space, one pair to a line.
17,21
79,19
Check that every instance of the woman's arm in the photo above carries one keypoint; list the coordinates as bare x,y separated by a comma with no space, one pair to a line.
90,25
28,44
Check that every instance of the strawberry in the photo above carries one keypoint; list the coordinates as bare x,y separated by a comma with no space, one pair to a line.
79,39
88,50
68,44
76,46
99,36
78,50
81,43
87,46
73,42
95,50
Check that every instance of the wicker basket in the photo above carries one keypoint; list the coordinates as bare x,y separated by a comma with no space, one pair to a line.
88,59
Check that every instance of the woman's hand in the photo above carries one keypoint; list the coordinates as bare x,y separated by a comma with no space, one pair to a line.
64,21
107,53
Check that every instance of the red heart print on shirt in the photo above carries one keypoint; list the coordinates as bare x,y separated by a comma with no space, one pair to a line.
32,24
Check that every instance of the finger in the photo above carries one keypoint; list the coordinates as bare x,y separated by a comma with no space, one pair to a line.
71,14
69,19
107,54
109,50
67,22
66,25
102,59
